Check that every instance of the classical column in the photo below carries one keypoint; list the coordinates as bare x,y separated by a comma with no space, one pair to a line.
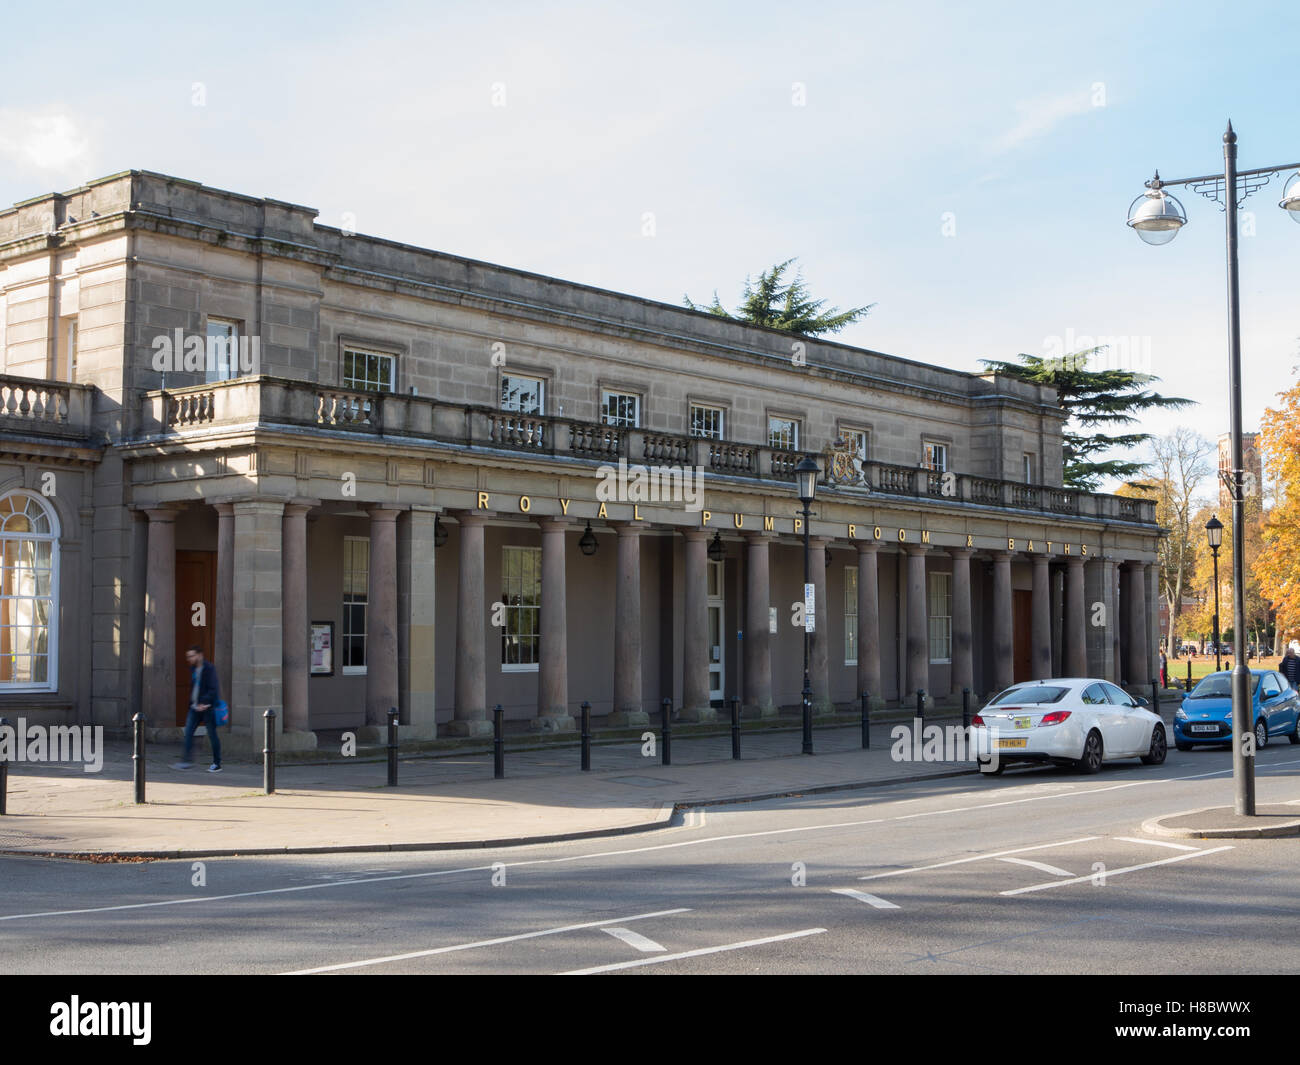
918,626
417,609
553,670
1076,617
1041,607
223,646
160,621
1113,619
470,714
963,661
869,622
295,655
628,709
1056,580
258,627
1003,663
1139,654
1152,585
1098,624
695,634
381,617
819,674
758,642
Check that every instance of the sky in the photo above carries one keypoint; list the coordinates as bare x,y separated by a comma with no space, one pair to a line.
965,168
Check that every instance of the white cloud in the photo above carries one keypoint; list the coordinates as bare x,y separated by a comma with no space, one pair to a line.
49,141
1039,117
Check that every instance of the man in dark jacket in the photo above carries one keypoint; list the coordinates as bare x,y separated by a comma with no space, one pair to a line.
205,693
1289,667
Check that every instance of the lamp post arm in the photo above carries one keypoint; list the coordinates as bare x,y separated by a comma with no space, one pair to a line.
1159,183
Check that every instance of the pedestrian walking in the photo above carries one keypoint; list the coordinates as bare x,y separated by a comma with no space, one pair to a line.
1289,667
1164,669
205,694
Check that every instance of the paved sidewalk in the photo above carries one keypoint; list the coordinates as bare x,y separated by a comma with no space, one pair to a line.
445,801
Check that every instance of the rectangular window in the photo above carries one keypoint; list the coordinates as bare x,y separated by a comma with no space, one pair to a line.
706,421
859,440
68,337
221,361
936,456
940,617
850,615
523,394
356,595
1029,469
782,433
620,408
521,592
369,371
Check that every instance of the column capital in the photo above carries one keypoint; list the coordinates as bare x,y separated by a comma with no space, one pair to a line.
224,509
1002,556
295,510
627,528
867,546
916,549
553,524
961,554
161,514
1040,560
695,535
383,512
756,536
470,517
1076,560
820,541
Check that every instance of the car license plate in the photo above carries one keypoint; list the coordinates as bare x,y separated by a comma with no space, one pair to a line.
1205,728
1005,744
1022,722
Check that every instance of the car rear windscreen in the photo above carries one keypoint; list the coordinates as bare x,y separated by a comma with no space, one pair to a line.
1035,693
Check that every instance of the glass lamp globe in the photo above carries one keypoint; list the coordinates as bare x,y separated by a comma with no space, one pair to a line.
1290,201
1156,216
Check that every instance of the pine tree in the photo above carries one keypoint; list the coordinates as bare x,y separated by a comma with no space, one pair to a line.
771,302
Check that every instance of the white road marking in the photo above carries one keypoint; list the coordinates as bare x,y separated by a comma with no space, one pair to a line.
635,939
695,953
482,943
1114,872
1042,867
870,900
1157,843
978,858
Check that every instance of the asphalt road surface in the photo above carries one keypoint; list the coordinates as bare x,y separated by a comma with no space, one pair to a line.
1038,871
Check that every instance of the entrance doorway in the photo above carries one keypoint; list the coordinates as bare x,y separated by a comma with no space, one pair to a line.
196,583
1022,618
717,613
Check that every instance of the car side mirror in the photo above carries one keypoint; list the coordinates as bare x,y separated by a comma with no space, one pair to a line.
1141,702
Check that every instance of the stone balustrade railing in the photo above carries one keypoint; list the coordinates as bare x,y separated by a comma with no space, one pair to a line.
39,407
277,401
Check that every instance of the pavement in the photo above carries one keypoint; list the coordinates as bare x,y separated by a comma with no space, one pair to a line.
442,801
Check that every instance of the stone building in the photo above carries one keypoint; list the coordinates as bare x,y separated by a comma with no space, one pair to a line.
364,474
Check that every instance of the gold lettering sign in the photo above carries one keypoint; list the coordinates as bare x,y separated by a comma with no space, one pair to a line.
1049,547
769,523
705,515
970,540
738,520
525,504
902,536
1067,549
601,513
925,536
875,532
853,529
636,512
1011,543
564,506
1083,549
798,524
482,501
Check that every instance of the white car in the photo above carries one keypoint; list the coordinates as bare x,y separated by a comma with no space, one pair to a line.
1080,721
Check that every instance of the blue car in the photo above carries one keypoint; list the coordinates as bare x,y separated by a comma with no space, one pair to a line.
1204,717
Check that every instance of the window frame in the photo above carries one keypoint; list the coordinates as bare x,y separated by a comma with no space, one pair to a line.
931,616
232,366
542,388
53,614
607,393
369,352
535,637
721,411
795,423
851,611
926,453
344,632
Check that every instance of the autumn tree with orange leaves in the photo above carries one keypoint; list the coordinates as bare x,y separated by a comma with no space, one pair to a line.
1278,567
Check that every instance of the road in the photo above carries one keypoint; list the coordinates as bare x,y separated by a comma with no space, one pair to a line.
1038,871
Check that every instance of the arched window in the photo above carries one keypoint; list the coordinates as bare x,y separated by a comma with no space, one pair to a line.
29,560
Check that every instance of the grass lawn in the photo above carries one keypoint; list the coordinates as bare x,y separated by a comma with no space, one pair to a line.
1203,665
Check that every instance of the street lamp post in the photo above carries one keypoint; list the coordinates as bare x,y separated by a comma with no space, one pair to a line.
1214,533
1157,217
806,479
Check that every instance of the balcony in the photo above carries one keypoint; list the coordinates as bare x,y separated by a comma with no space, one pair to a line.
55,410
265,402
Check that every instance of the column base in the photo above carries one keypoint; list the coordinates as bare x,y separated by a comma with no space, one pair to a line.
751,712
468,727
553,723
627,719
700,715
405,733
824,708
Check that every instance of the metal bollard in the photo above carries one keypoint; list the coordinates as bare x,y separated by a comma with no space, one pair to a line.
866,720
666,743
735,727
392,746
965,708
137,757
920,704
268,752
4,773
1189,673
1155,696
498,745
586,736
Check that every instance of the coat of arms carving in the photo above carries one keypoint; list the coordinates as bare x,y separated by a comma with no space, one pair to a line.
845,466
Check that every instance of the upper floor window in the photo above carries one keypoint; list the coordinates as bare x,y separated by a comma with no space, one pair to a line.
1029,468
706,421
620,408
369,371
523,394
859,440
782,433
29,552
936,456
222,362
68,339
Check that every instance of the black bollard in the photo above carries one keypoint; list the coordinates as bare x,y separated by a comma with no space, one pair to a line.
1155,696
392,746
735,728
666,744
920,704
4,773
586,736
1189,672
866,720
498,745
965,708
268,752
137,757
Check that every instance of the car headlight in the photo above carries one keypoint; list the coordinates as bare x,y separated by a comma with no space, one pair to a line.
1180,714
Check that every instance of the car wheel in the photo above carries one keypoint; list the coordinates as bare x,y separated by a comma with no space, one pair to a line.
1261,735
1295,732
1002,765
1159,748
1092,750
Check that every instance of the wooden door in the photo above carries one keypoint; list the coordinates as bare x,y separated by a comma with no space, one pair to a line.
196,582
1022,617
